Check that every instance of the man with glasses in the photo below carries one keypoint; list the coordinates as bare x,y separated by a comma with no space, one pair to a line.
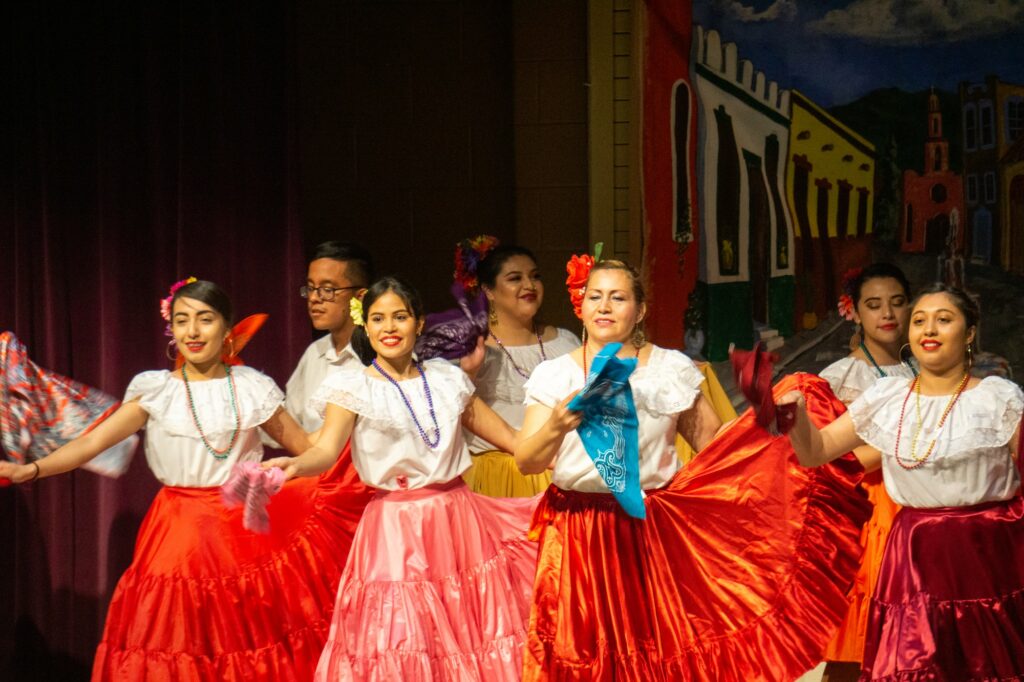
337,272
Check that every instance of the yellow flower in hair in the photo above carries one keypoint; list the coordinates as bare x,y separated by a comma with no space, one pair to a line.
355,309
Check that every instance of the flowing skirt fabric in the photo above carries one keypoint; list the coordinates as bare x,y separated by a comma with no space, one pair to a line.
206,600
848,644
739,572
949,604
437,587
495,474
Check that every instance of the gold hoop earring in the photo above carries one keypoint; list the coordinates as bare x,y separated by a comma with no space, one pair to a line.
172,344
492,314
905,352
639,338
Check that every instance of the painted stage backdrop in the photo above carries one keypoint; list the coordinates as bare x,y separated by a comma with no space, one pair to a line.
785,141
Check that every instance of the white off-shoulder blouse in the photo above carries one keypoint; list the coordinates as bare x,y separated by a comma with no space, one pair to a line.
174,449
387,449
850,377
666,386
500,386
971,462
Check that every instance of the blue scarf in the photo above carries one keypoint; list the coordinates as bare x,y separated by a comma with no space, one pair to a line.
610,428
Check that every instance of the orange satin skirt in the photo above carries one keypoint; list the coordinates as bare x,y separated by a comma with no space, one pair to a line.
205,599
739,572
848,644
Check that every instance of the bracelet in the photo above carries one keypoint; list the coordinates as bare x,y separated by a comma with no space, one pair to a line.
36,475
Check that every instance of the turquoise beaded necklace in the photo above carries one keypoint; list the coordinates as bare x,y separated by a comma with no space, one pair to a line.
218,454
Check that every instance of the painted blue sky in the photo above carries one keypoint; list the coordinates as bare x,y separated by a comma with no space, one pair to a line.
838,50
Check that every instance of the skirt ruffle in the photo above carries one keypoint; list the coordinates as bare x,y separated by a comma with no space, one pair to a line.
495,474
949,604
740,571
437,588
848,644
205,599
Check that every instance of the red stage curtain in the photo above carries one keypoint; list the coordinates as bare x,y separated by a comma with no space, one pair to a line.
142,142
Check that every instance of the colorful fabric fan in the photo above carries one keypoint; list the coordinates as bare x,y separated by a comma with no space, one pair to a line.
453,333
41,410
610,427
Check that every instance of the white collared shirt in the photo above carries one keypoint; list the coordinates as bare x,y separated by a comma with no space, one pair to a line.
319,360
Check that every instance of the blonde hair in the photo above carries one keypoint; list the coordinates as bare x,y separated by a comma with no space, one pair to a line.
634,275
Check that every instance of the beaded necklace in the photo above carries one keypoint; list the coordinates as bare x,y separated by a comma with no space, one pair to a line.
430,403
880,371
218,454
585,358
915,388
517,368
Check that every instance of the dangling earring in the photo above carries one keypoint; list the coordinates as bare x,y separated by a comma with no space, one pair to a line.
492,314
905,352
970,357
639,338
858,336
231,345
172,344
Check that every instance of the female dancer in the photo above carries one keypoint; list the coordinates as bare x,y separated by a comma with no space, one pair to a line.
516,343
205,599
949,601
742,560
437,586
877,298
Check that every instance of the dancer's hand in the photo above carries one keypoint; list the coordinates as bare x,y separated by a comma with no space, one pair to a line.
15,473
786,408
562,419
472,362
285,464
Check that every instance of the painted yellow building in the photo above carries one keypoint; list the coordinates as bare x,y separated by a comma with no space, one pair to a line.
830,188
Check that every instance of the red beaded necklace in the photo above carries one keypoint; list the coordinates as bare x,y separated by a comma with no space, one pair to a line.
915,388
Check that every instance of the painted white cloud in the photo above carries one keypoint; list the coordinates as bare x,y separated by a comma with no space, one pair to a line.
780,9
915,22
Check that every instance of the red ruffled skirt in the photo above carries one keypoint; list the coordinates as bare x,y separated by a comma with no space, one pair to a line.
949,604
739,572
437,587
848,644
205,599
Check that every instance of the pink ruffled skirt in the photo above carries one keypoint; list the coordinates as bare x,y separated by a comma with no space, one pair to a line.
437,587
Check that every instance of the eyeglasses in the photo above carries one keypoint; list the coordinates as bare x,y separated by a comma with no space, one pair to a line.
325,293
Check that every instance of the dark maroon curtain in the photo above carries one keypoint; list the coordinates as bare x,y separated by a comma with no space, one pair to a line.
142,142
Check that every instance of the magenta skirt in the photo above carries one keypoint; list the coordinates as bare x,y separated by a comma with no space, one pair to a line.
949,603
437,587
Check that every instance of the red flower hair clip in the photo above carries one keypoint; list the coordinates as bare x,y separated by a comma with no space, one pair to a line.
845,305
468,254
578,269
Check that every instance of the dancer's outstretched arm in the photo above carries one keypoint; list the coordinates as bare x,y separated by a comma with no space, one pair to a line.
814,446
128,419
337,428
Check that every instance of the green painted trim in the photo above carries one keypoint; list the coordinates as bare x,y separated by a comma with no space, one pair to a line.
729,319
744,96
781,301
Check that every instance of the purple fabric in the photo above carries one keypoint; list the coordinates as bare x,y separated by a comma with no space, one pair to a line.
148,142
949,602
453,333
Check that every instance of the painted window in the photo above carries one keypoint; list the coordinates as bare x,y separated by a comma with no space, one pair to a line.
987,127
970,127
862,211
981,248
939,193
1014,118
990,188
972,188
908,235
843,210
682,225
